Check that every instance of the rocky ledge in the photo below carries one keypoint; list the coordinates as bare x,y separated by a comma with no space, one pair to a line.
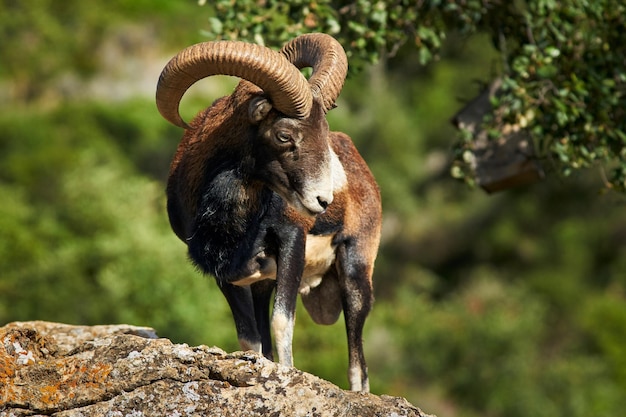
52,369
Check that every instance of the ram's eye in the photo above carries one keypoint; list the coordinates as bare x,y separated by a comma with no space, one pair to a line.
283,137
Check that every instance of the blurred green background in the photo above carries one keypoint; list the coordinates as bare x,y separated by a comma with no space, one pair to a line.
512,304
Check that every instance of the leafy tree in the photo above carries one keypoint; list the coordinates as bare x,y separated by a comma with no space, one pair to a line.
561,61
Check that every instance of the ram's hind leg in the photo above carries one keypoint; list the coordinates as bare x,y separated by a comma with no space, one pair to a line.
262,297
355,281
241,304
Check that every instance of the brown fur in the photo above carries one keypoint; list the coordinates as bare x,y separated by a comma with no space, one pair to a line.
354,216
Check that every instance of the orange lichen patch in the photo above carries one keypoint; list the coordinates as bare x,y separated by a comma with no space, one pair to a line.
53,385
31,374
99,372
72,375
7,366
49,394
7,374
91,375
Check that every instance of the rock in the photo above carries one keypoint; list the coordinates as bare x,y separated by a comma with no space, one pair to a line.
507,162
62,370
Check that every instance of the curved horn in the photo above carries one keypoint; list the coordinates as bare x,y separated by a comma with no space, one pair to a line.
272,72
328,60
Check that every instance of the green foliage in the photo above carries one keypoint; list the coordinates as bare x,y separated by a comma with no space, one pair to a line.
46,40
604,318
487,347
562,62
566,83
366,29
84,235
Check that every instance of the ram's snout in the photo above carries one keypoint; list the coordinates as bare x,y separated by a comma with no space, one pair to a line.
311,198
316,202
328,178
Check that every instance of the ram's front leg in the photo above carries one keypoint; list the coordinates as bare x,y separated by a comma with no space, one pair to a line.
357,298
290,266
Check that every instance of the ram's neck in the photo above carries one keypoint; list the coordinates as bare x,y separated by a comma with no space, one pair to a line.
228,223
231,197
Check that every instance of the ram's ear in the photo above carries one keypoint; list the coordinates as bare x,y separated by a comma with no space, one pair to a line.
259,109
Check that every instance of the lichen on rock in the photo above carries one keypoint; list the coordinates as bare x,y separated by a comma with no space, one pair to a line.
120,370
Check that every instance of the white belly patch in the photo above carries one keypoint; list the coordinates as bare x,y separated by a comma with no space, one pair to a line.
319,256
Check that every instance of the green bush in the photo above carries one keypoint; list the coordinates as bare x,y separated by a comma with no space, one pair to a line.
85,233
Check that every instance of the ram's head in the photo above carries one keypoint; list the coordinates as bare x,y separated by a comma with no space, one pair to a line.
288,114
